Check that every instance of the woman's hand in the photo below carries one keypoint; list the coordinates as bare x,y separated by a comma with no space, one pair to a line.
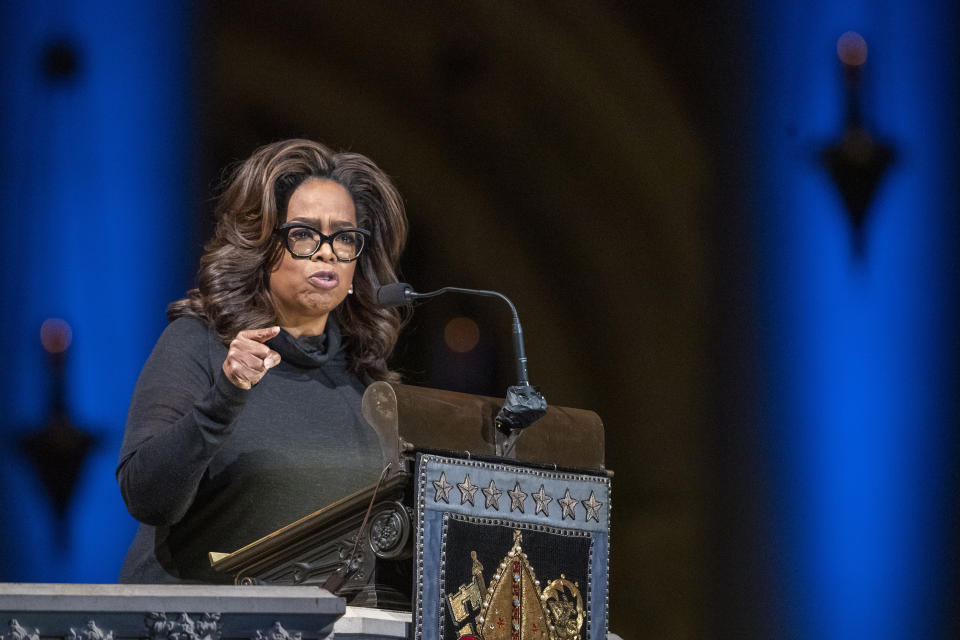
249,359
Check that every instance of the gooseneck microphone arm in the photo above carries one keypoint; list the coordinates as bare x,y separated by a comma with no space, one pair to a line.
524,403
518,350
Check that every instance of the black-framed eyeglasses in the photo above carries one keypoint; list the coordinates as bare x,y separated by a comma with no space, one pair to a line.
302,241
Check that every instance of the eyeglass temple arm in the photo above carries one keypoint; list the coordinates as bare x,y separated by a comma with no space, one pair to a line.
518,349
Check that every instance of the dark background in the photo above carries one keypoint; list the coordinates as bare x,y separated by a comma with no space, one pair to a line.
644,180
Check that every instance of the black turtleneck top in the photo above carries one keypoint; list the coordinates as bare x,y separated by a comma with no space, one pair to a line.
207,466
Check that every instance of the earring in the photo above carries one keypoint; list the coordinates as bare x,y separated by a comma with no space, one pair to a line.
350,290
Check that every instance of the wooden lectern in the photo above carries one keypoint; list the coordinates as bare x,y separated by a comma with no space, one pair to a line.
377,564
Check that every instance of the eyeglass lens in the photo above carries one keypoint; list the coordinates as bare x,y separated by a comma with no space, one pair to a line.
304,242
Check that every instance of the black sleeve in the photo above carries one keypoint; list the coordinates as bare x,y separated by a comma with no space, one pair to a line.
182,410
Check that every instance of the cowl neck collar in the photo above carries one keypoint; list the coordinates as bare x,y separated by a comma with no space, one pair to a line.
310,352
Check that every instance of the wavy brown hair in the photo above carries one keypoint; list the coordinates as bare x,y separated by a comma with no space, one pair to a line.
233,286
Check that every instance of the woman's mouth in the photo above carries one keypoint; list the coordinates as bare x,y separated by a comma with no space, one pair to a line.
324,279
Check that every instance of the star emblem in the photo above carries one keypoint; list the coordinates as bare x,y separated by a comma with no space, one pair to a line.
517,498
492,496
467,489
569,504
542,501
593,507
443,489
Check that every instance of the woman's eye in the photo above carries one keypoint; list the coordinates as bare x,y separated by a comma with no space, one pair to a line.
300,234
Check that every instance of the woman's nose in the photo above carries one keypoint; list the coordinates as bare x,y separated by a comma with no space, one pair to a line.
325,252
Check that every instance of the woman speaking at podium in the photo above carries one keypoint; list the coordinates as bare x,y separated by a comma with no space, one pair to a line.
246,416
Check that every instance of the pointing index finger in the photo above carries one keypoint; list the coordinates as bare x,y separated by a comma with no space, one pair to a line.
260,335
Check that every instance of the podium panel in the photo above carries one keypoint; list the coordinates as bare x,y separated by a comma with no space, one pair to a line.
509,552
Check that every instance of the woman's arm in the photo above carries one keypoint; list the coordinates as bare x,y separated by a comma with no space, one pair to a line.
182,410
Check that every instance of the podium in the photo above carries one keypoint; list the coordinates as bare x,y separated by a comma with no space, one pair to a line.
482,534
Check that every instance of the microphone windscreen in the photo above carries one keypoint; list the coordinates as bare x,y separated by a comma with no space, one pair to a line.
395,294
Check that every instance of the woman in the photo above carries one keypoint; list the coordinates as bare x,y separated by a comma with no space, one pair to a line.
246,415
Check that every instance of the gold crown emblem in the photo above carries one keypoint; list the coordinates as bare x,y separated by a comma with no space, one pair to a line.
513,606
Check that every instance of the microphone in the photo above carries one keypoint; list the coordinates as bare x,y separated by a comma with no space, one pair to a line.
395,294
524,403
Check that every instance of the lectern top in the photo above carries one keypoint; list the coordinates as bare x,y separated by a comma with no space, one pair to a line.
416,418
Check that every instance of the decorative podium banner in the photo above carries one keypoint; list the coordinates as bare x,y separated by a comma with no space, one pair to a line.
508,552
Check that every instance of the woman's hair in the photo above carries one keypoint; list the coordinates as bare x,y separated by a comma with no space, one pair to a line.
233,291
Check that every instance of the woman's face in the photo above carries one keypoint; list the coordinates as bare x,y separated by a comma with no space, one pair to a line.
306,290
